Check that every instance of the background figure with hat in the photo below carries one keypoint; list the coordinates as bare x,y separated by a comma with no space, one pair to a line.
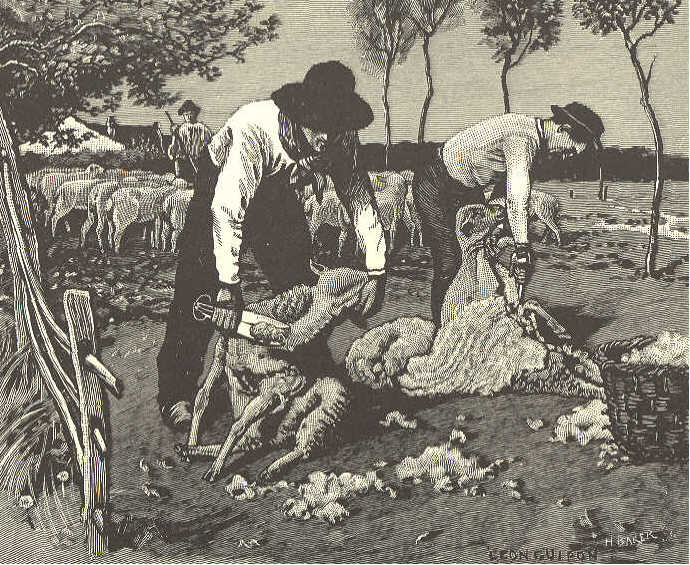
247,193
462,166
188,141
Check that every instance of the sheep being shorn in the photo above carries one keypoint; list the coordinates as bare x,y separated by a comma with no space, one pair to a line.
544,206
479,348
287,407
286,403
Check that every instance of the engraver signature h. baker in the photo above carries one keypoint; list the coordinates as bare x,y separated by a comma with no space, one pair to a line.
604,543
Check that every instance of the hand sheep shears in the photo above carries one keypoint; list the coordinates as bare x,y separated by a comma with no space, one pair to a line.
528,313
204,309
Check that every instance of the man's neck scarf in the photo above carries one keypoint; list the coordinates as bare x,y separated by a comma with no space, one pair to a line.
307,162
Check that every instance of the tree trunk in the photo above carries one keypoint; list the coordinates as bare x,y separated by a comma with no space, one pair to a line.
387,110
429,90
653,243
504,83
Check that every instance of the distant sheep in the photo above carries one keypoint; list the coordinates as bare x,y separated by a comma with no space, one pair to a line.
390,203
388,181
411,217
96,211
71,195
174,214
52,181
330,212
127,206
412,221
544,206
101,193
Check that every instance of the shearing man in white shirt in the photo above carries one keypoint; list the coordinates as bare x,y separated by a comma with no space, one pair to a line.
471,160
246,193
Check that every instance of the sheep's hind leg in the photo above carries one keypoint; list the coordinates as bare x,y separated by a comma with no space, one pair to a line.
553,226
204,395
256,409
189,453
276,468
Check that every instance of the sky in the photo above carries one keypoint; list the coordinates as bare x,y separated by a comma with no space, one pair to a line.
590,69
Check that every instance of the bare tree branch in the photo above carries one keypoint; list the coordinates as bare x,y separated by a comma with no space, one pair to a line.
648,78
524,50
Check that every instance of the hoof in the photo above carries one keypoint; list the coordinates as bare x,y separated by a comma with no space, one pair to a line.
210,476
265,477
182,452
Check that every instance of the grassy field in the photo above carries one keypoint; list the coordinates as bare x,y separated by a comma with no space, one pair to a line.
593,284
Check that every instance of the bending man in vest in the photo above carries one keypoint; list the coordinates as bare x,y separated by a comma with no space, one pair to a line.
469,161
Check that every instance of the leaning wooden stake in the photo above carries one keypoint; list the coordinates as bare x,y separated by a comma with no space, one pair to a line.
95,475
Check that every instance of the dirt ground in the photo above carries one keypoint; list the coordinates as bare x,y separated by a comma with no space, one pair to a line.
593,284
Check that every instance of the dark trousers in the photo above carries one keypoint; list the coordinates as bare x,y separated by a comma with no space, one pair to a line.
437,198
276,228
184,169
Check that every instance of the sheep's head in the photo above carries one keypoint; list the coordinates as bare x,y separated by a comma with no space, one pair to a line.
475,221
95,171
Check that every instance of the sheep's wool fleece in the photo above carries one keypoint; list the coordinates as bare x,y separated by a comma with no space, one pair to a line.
335,291
586,423
668,349
382,353
478,352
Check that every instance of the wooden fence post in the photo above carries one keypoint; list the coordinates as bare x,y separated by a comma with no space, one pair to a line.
91,397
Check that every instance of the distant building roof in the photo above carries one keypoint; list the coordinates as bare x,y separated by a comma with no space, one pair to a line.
97,141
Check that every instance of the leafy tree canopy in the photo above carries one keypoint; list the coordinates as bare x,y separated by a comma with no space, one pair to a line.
605,16
59,57
515,28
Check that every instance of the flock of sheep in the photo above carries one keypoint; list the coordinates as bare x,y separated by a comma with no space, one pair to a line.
115,199
394,201
393,194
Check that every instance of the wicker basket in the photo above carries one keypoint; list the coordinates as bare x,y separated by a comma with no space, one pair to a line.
647,404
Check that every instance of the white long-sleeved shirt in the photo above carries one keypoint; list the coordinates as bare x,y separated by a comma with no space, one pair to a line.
248,149
194,136
506,143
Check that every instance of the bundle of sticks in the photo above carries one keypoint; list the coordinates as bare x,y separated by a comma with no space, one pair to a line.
45,356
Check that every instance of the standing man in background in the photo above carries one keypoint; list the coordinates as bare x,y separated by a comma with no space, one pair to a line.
188,141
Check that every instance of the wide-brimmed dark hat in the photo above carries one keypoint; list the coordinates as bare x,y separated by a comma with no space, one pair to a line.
189,106
586,123
325,100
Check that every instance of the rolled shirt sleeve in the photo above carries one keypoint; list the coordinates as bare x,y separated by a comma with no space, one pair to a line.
369,231
238,151
519,153
354,189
